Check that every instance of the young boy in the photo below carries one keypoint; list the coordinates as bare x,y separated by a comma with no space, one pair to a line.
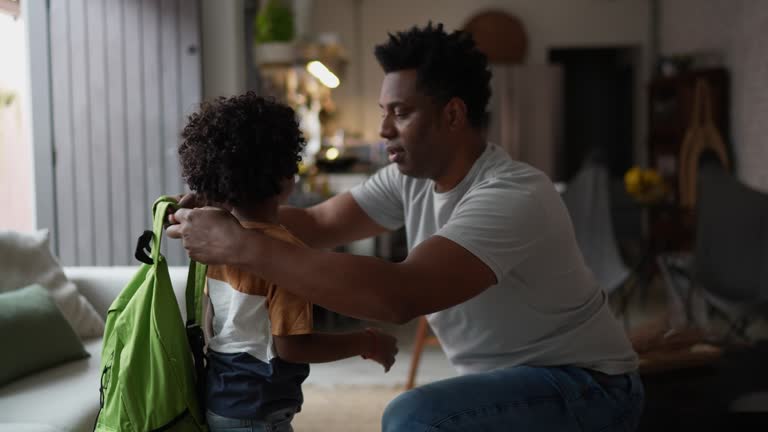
242,153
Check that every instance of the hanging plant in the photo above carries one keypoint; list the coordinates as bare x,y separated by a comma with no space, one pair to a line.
274,23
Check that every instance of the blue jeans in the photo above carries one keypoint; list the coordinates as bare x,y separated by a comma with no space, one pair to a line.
520,399
278,421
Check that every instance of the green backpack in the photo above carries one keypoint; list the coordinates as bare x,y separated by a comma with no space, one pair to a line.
152,366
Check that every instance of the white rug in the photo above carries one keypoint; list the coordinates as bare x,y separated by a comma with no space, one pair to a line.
343,408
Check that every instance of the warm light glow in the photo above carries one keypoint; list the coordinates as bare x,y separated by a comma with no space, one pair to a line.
332,153
322,73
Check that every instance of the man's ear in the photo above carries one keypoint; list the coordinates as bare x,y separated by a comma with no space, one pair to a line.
455,112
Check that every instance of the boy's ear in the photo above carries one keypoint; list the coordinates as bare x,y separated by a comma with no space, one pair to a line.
286,188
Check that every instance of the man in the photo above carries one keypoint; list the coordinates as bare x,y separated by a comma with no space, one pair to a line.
493,261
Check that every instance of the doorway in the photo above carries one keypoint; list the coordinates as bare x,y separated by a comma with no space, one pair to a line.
598,107
598,121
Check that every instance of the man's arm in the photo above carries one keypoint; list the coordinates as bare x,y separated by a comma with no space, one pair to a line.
436,275
334,222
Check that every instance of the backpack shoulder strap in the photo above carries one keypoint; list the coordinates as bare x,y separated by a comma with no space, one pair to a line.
194,293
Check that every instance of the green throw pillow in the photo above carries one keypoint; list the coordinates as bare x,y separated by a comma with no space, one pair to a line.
34,335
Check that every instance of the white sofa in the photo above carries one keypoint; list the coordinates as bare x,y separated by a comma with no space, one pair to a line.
66,398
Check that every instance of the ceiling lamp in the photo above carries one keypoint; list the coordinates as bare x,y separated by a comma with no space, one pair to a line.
323,74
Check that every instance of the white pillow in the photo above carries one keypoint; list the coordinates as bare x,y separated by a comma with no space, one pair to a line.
25,258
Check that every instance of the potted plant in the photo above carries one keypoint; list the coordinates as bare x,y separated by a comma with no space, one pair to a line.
274,33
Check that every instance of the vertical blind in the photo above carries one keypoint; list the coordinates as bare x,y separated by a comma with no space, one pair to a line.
124,75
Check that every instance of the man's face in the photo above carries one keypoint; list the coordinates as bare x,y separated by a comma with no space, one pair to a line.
410,124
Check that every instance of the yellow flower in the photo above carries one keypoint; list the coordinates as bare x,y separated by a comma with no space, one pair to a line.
645,185
632,180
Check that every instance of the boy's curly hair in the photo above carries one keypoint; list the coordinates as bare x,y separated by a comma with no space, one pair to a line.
448,65
237,150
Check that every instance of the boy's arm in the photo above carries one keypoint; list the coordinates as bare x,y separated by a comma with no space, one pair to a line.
371,344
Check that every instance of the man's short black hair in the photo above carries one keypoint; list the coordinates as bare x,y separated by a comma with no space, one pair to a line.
238,150
448,65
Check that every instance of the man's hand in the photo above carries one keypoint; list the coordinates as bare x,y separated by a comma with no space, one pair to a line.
384,348
210,235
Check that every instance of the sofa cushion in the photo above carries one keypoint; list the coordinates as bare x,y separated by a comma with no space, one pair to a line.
35,333
101,285
25,259
65,397
28,427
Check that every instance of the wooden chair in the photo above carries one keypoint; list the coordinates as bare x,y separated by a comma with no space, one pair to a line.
702,136
422,339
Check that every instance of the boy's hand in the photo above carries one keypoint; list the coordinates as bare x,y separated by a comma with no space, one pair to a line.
192,200
383,348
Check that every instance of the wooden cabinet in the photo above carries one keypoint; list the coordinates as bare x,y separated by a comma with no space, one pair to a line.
671,105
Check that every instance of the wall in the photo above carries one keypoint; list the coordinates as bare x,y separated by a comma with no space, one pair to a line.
362,24
738,30
16,187
16,175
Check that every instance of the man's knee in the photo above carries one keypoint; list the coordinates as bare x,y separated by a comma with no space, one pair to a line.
408,412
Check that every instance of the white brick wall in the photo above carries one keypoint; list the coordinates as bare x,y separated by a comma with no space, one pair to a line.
738,29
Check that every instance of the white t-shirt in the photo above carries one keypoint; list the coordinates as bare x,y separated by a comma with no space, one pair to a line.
546,309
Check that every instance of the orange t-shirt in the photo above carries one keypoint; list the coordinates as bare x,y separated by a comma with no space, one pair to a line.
247,310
